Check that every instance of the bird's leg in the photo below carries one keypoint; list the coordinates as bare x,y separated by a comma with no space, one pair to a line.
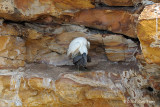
78,67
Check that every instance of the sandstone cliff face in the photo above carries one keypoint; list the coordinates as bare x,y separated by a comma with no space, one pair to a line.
71,11
98,88
118,21
12,47
150,71
19,10
119,48
148,33
34,38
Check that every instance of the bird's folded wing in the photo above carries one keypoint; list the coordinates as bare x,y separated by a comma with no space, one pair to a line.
73,48
83,49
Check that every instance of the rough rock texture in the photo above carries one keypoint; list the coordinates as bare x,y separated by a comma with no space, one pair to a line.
118,48
117,21
39,31
46,50
148,33
12,47
40,43
38,85
152,72
23,10
49,44
52,49
13,51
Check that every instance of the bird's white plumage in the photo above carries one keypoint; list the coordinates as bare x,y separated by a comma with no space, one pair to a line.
78,45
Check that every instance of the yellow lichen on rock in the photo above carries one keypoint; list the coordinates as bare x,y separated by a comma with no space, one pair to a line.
3,42
148,33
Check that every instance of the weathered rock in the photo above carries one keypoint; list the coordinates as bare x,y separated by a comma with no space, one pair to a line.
49,44
117,21
69,11
10,29
73,4
148,33
12,51
98,89
12,47
128,2
150,71
118,48
18,10
53,49
39,51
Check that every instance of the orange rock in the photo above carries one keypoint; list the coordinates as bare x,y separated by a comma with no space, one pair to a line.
150,71
4,41
117,21
73,4
12,47
18,10
41,47
88,89
45,43
10,29
24,5
118,48
12,51
148,33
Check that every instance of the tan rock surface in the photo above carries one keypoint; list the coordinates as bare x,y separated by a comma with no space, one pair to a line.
151,71
71,11
12,47
12,51
39,31
53,49
118,48
117,21
148,33
22,10
43,48
38,85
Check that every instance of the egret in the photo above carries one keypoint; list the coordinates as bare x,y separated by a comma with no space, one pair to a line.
78,50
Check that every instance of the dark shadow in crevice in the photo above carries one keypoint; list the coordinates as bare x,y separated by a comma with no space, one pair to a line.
150,89
103,32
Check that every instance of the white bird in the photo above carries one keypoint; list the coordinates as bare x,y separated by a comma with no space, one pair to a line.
78,50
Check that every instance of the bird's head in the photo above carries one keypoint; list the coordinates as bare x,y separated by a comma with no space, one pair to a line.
88,44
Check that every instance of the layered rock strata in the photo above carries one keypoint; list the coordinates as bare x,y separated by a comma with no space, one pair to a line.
26,87
118,48
39,31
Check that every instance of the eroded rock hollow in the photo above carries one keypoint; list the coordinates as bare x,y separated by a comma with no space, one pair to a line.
124,37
